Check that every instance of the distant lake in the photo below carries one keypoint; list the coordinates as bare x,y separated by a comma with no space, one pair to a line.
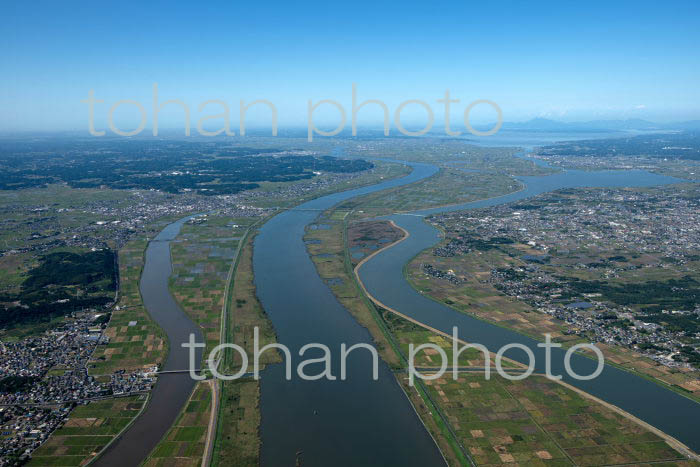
529,139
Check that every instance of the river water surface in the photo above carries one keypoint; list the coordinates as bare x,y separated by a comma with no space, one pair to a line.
359,421
171,391
383,277
340,423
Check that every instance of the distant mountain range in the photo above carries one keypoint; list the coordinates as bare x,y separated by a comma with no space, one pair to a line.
633,124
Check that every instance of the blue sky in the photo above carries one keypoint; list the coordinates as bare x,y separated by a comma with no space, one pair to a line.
562,60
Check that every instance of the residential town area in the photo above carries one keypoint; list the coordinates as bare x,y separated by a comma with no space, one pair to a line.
618,266
42,377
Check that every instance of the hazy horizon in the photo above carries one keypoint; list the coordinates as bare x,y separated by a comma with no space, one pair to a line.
565,62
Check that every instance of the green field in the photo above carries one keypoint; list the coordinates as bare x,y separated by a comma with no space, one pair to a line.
539,422
185,442
276,194
244,313
449,186
34,216
130,347
237,439
88,429
441,151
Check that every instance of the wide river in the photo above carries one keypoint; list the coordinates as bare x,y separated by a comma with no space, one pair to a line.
359,421
172,390
383,277
354,422
362,422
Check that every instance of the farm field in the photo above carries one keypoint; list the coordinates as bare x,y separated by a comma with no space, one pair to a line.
88,429
444,152
539,422
135,340
33,216
202,255
185,442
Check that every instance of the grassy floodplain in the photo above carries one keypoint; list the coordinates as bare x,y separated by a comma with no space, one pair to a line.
237,437
325,242
467,173
443,151
244,312
448,186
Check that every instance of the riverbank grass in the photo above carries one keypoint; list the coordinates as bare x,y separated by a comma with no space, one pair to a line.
238,440
448,186
326,244
245,313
